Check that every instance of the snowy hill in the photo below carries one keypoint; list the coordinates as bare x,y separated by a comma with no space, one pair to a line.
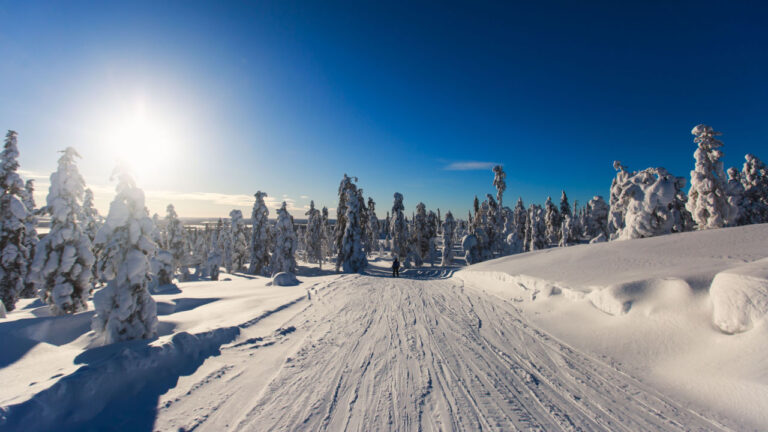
661,306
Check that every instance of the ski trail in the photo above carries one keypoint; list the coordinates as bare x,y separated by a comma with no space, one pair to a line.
424,353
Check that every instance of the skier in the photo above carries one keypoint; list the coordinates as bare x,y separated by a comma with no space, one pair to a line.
396,268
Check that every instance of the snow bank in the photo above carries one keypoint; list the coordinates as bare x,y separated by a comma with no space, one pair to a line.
112,378
617,276
740,296
284,279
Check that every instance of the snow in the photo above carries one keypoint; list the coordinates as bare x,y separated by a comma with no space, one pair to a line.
740,296
520,342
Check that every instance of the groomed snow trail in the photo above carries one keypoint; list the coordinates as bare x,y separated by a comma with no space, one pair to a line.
425,353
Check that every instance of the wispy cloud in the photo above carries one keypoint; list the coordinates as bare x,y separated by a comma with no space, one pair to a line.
470,166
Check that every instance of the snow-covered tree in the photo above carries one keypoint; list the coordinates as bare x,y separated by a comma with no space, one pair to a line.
259,246
124,308
374,228
734,190
432,236
174,237
284,252
366,235
565,207
653,202
616,216
328,244
314,237
536,229
754,178
31,239
399,229
420,234
707,199
341,215
552,221
520,218
567,232
595,224
64,260
90,219
449,227
14,255
239,237
351,258
499,183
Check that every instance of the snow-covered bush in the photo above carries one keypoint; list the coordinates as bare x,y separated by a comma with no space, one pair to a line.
162,270
259,246
63,263
124,308
707,198
469,246
283,254
14,255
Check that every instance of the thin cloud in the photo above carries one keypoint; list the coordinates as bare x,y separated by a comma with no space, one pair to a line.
470,166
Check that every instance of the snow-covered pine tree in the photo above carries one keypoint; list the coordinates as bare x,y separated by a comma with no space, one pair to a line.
520,218
754,178
565,207
536,229
239,238
616,216
735,192
314,235
328,245
124,308
367,245
432,236
259,246
13,217
174,237
31,239
707,199
90,219
420,234
399,229
374,227
341,214
553,222
595,226
351,257
62,268
449,227
285,244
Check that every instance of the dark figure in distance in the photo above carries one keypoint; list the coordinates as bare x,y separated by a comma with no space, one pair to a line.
396,268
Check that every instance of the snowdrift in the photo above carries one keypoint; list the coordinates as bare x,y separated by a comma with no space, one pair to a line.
619,275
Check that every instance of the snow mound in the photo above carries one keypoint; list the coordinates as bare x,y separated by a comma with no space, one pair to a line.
740,296
284,279
116,378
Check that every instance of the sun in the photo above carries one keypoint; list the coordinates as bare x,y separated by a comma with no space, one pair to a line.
145,140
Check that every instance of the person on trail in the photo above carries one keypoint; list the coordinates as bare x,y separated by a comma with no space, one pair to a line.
396,268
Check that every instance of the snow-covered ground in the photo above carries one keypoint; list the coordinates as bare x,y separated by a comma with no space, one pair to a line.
612,336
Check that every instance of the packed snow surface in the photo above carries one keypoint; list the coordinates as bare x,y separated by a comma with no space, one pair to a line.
517,343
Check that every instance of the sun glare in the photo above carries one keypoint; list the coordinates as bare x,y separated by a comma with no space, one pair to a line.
145,140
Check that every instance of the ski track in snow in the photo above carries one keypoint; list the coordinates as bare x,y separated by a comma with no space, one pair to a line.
417,353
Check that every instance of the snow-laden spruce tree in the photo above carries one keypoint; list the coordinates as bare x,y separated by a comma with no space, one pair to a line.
399,229
89,218
536,229
520,218
352,257
328,244
565,207
341,214
285,244
553,222
449,227
363,209
754,178
567,232
420,234
432,236
595,226
14,255
124,308
64,260
259,247
616,216
31,239
239,238
174,237
707,199
374,227
314,237
494,226
735,192
652,199
499,183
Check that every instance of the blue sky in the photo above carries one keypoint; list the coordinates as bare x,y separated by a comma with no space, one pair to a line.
211,101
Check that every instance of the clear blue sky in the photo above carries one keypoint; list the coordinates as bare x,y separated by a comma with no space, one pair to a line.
286,97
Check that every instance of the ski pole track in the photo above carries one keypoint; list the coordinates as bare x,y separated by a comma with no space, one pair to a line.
423,352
